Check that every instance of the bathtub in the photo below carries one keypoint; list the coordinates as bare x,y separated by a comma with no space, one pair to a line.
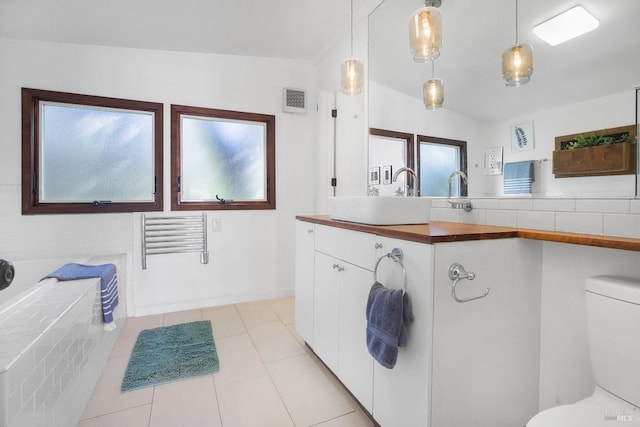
53,345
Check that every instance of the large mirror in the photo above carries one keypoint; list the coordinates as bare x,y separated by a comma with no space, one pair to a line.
582,85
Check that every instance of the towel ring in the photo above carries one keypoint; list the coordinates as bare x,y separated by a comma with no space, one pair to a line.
396,255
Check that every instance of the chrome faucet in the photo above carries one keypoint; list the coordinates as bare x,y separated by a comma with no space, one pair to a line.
466,205
408,171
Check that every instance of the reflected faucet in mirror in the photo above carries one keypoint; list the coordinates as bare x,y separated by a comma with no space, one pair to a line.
458,204
407,191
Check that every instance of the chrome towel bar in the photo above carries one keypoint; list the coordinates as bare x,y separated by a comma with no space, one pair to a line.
457,273
396,255
174,234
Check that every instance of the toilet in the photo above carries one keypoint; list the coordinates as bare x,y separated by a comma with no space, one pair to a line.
613,324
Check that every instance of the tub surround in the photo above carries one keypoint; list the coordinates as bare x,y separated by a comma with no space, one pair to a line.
54,348
442,231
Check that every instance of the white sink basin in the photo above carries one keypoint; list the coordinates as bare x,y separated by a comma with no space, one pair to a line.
381,210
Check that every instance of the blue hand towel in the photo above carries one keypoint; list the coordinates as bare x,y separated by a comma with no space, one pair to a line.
108,284
518,177
388,313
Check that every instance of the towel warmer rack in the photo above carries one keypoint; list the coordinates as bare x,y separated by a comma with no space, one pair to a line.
174,234
396,255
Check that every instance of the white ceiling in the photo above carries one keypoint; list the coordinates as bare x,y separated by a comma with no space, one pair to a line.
603,62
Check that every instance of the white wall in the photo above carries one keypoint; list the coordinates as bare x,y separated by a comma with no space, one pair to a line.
253,256
601,113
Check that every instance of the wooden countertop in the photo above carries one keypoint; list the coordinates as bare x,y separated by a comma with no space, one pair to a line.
440,232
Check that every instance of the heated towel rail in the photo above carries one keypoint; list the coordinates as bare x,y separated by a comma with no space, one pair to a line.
174,234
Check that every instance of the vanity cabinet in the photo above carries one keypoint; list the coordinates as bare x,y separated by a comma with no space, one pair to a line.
343,274
473,363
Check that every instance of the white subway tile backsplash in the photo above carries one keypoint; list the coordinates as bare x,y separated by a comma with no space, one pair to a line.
516,203
580,222
539,220
485,203
622,225
502,218
634,206
556,205
621,206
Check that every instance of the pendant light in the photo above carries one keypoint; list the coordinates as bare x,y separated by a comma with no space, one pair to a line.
352,70
425,32
517,61
433,91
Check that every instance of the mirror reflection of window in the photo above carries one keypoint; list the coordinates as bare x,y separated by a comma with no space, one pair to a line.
390,150
437,159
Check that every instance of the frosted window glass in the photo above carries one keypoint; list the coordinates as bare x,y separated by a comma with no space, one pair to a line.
224,158
437,161
91,153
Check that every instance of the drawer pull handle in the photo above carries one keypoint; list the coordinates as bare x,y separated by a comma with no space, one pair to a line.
378,246
338,267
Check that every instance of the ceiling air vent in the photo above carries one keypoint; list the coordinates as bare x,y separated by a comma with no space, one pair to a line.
294,101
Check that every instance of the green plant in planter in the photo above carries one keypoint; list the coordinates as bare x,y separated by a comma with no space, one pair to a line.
594,140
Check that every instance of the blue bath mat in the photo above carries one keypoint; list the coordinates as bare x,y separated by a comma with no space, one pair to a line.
171,353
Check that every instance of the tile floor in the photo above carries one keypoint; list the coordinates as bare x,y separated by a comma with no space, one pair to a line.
267,377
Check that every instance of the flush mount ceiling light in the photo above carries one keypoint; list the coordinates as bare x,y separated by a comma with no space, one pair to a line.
566,26
425,32
352,70
517,61
433,91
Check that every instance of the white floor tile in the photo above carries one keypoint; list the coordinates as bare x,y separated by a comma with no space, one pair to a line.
134,417
274,341
253,402
350,420
307,393
256,312
189,403
182,317
239,359
225,321
107,396
284,308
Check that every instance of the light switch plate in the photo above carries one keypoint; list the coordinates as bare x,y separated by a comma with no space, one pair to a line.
493,161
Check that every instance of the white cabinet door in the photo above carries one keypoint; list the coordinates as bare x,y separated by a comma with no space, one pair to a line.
305,234
326,312
355,365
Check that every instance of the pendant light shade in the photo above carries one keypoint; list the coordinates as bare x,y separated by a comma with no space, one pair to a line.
517,65
425,32
517,61
352,76
433,91
352,71
433,94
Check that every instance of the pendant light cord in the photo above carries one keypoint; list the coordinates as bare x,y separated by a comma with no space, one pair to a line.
516,22
352,28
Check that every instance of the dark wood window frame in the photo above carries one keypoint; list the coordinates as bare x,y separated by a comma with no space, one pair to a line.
445,141
269,120
409,148
31,204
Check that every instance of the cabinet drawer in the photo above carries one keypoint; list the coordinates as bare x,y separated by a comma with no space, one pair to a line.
351,246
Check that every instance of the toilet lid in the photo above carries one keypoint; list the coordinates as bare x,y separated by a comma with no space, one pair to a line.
600,410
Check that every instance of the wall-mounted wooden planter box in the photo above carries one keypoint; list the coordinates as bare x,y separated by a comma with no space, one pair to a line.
615,159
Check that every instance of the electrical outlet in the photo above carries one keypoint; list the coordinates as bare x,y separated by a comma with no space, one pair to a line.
493,161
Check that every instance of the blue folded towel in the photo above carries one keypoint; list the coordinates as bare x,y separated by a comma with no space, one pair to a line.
388,313
108,284
518,177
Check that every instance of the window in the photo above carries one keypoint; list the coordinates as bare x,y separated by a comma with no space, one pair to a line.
437,158
222,159
89,154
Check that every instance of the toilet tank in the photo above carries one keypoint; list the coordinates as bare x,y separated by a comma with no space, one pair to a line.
613,323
